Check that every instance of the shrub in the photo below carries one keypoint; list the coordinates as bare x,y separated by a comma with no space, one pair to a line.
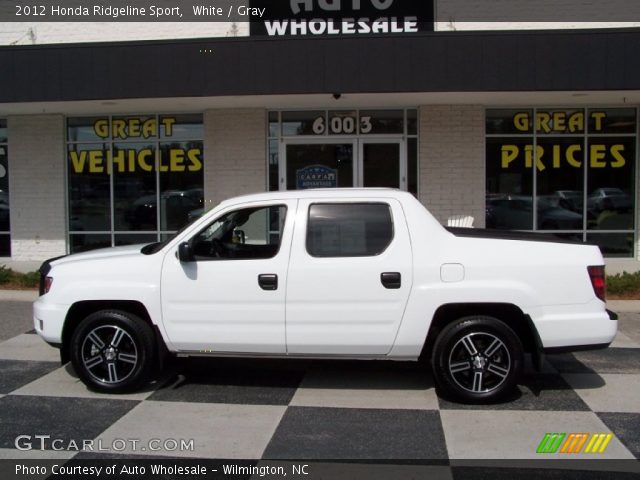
6,274
12,279
623,283
28,280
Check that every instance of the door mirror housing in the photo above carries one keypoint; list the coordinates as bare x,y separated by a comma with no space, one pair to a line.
184,252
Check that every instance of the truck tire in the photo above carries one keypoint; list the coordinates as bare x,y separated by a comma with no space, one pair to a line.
113,351
477,359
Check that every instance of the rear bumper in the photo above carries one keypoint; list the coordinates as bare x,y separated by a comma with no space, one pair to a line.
613,316
575,327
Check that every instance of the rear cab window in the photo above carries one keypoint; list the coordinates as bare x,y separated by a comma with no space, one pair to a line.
349,229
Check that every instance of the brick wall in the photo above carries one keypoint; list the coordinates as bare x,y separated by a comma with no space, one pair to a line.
452,161
36,186
235,153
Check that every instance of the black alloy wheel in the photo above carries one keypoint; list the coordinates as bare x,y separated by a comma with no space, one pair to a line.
113,351
477,359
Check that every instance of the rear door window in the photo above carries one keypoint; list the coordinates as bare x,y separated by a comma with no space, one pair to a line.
349,229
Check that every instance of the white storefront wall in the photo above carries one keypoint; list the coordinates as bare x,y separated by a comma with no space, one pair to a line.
451,173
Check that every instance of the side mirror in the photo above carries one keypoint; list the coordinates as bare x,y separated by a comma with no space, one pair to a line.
184,252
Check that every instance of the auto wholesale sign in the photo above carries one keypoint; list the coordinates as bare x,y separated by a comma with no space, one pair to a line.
341,17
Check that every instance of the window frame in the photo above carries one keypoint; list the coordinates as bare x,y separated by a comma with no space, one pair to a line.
308,222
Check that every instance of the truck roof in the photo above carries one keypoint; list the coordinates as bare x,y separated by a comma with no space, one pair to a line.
321,193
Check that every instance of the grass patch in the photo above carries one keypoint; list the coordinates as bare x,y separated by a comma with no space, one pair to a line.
10,279
623,286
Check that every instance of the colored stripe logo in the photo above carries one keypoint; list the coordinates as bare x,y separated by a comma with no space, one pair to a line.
574,443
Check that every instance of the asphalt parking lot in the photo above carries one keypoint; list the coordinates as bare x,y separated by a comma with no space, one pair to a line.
338,411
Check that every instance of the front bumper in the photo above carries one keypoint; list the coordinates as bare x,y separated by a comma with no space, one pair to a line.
48,320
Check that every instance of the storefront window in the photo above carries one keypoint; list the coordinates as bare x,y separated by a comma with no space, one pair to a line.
89,187
5,236
273,165
376,122
303,123
567,171
132,179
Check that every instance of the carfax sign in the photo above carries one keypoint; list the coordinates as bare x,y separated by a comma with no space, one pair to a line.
342,17
316,176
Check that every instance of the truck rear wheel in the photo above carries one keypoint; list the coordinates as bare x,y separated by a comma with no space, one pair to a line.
477,359
113,351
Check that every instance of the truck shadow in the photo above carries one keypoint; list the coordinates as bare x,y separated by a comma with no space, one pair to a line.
255,381
277,381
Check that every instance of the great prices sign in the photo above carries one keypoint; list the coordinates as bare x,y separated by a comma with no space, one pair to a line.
342,17
555,148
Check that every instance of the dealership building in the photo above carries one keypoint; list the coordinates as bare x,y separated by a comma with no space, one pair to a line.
119,133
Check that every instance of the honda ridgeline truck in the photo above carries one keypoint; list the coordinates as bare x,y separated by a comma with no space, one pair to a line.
340,273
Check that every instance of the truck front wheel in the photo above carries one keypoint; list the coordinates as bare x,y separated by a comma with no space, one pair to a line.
477,359
113,351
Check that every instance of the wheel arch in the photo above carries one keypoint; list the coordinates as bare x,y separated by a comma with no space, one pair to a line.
508,313
80,310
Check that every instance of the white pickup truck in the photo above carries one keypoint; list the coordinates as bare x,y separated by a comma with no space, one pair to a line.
341,273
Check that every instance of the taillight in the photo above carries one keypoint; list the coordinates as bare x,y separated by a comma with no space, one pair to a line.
598,281
48,281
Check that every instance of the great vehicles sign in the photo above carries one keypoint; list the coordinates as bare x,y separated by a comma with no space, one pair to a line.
342,17
125,157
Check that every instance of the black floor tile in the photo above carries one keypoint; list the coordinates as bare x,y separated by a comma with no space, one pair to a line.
625,426
610,360
17,373
544,391
67,419
232,381
357,434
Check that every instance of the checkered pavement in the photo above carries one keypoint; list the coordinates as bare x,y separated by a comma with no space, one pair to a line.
312,410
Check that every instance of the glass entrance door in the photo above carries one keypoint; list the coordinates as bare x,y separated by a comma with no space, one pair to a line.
381,164
319,165
343,163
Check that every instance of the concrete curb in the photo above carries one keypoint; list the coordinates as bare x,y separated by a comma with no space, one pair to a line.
624,306
18,295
